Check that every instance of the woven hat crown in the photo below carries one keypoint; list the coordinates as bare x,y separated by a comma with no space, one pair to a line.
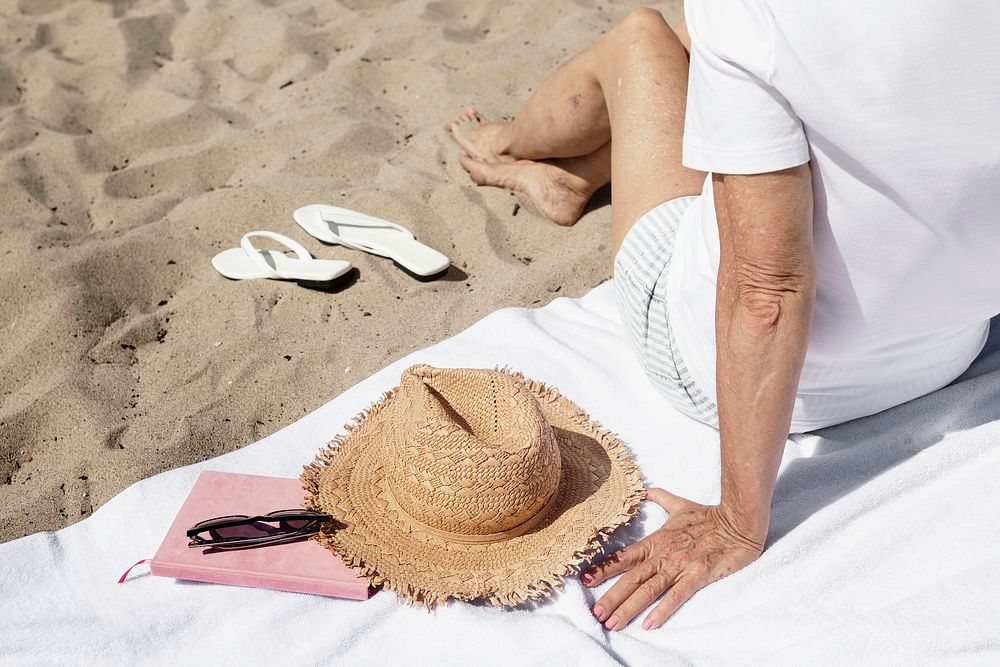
473,454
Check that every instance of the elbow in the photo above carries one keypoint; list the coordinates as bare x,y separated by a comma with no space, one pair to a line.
767,299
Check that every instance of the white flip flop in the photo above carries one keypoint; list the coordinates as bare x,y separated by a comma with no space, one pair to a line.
246,262
332,224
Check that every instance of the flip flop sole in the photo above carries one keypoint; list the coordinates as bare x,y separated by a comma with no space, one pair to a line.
236,265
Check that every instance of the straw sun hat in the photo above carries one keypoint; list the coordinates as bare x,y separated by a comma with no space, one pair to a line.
471,483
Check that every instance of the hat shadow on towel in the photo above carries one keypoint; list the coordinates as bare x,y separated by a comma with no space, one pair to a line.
624,535
848,455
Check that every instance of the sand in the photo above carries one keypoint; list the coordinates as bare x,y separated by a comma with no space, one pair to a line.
141,137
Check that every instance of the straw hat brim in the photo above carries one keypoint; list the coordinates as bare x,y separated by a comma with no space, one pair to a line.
599,490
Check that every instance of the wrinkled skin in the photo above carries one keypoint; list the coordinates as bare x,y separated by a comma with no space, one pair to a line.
697,545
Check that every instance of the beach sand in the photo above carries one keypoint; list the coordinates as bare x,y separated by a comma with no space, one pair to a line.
141,137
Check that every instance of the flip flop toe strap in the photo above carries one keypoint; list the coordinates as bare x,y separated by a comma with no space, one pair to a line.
260,259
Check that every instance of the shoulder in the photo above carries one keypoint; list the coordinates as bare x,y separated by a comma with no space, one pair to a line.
738,32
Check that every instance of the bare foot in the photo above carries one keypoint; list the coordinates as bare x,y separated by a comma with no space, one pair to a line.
560,195
480,138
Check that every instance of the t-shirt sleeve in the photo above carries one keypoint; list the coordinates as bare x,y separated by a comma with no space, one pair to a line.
736,121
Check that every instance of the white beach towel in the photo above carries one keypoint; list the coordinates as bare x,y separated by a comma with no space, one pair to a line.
884,546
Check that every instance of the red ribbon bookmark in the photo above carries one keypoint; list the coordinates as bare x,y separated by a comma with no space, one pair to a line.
144,560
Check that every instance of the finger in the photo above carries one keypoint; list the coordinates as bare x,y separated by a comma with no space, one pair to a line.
665,499
643,596
606,609
677,595
615,564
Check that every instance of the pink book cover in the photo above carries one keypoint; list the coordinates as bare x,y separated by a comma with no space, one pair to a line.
300,567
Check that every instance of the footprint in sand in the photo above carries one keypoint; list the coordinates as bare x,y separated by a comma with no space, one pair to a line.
62,108
147,41
195,173
39,7
452,13
10,92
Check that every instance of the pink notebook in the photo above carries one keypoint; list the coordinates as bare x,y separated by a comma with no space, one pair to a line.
300,567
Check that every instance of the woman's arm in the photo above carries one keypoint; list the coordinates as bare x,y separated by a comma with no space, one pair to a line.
764,302
764,308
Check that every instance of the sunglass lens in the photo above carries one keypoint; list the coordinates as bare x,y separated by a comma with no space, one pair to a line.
251,530
207,523
294,519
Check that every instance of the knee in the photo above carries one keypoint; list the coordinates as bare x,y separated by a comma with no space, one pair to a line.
641,38
641,23
642,27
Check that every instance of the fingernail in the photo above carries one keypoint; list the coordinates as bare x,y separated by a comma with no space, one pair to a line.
599,612
611,623
586,578
647,624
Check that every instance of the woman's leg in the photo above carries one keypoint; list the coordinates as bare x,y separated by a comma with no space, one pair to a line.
630,85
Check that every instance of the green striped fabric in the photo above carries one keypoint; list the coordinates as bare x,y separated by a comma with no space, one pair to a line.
641,269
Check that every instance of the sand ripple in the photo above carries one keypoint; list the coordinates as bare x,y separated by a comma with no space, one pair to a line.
141,137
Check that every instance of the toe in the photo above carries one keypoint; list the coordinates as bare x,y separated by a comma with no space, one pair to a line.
484,173
463,118
473,166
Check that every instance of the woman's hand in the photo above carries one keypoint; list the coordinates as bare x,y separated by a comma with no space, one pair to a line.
698,544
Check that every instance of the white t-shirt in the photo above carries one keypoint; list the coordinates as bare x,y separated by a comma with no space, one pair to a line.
897,104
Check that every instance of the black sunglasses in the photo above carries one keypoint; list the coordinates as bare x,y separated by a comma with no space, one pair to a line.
240,531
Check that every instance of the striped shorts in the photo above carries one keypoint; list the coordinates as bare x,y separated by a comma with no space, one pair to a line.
641,269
